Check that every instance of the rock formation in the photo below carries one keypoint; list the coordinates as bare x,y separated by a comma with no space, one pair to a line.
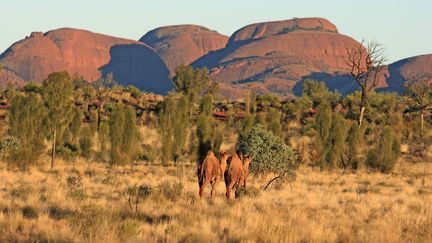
84,53
183,44
275,56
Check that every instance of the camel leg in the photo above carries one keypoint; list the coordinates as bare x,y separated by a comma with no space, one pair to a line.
229,188
202,187
214,185
237,185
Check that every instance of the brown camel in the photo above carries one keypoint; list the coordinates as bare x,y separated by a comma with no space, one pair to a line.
234,176
209,173
223,162
247,160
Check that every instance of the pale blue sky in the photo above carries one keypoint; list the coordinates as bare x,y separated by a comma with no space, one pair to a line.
402,26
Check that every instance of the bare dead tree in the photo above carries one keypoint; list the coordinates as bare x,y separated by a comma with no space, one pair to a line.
365,63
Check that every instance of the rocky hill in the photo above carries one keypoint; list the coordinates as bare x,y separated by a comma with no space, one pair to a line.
265,57
413,68
89,55
183,44
276,56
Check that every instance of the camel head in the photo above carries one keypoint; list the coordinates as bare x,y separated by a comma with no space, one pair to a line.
210,153
239,154
223,160
247,160
223,156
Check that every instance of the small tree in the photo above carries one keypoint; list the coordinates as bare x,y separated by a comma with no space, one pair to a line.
318,92
323,124
26,123
420,93
352,160
57,93
192,83
102,94
365,65
205,127
173,125
384,156
251,105
269,153
75,125
123,135
335,146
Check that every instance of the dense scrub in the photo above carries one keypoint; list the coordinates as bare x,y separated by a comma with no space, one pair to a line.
109,123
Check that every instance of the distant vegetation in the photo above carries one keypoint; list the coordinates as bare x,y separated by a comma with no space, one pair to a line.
69,118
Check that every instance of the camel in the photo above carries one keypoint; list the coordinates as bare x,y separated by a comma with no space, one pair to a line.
234,176
211,172
246,162
223,162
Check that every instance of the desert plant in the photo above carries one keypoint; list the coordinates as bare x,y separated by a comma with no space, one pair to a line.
384,156
136,194
123,134
171,190
26,123
8,146
269,153
57,93
173,126
352,151
335,145
323,124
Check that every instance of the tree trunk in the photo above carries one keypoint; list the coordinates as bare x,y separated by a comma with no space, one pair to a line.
362,108
422,122
53,147
99,117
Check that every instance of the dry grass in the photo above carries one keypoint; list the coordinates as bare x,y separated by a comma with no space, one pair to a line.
84,202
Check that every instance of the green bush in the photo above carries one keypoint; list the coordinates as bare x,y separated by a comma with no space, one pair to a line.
134,91
269,153
27,123
68,151
8,146
384,156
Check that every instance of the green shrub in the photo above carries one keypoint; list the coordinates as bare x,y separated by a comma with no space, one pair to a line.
27,124
8,146
269,153
68,151
134,91
124,135
384,156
